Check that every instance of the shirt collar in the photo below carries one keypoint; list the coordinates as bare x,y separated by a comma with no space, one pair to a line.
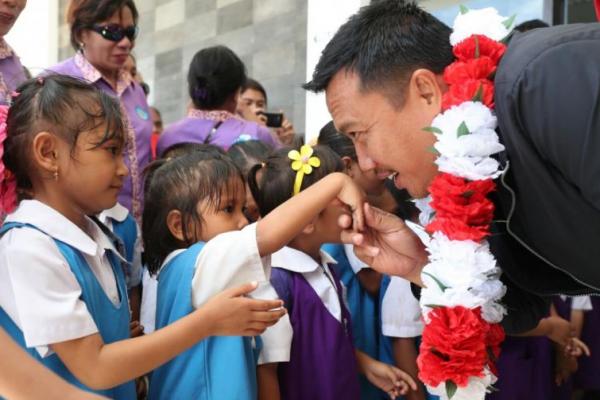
356,263
117,213
59,227
298,261
91,74
5,50
214,115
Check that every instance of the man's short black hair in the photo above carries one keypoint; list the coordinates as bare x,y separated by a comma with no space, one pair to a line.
384,43
531,24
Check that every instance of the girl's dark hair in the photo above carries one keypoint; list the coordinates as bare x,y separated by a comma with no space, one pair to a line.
249,153
275,184
336,141
62,105
215,74
179,184
83,14
254,85
184,148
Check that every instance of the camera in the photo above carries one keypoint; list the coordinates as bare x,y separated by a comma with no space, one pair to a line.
274,120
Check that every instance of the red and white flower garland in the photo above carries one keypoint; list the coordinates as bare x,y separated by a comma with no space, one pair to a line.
460,303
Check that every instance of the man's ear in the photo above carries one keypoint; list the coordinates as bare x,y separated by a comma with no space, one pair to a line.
175,224
425,86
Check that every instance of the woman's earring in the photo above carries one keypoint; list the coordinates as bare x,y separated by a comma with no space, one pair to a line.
56,175
81,46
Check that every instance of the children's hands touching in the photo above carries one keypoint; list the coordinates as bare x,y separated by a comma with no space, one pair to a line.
388,378
576,348
231,314
135,329
391,380
354,197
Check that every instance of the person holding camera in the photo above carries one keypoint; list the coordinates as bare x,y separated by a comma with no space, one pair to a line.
252,105
215,77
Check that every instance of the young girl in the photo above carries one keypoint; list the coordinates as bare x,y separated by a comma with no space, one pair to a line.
197,235
62,289
323,363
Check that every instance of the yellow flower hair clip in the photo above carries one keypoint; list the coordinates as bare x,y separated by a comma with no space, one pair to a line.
303,163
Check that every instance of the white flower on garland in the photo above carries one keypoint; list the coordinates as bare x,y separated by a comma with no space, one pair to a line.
476,388
466,130
485,21
472,168
426,212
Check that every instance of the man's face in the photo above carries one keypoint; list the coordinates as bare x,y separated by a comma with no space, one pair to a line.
386,136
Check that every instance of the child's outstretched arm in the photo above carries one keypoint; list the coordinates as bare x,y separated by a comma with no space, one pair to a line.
101,366
391,380
23,378
285,222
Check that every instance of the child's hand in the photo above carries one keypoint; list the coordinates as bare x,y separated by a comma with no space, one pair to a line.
231,314
135,329
561,331
391,380
576,348
353,196
565,366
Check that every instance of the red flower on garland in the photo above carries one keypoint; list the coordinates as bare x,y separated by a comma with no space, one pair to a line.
463,212
469,90
456,229
467,49
476,68
495,337
453,346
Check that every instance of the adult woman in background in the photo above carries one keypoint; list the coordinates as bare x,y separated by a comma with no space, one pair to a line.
215,77
103,32
11,70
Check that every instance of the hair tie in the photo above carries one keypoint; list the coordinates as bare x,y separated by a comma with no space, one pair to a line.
200,93
303,163
263,164
8,182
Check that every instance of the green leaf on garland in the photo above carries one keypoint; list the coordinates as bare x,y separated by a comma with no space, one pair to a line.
451,388
468,194
462,130
464,9
508,22
433,129
436,280
477,51
433,150
434,305
479,94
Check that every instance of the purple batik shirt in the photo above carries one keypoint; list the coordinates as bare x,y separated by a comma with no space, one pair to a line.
220,128
11,72
138,122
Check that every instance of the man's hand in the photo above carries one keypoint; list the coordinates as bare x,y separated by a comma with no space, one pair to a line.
386,244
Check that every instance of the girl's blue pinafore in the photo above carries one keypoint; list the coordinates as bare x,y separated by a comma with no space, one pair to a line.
112,321
215,368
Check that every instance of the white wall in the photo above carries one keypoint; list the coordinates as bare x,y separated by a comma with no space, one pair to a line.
35,35
324,18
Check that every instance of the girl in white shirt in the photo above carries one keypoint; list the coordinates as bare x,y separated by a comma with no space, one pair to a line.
62,288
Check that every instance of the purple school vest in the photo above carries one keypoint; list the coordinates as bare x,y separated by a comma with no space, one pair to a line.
11,76
587,376
322,363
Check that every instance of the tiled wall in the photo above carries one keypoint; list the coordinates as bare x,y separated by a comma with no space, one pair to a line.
268,35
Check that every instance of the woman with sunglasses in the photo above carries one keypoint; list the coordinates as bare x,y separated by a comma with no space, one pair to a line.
103,32
11,70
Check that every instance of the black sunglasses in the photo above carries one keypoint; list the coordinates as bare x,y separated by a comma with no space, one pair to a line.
115,32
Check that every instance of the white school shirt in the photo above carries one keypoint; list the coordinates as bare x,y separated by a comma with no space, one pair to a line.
583,303
148,305
120,213
400,310
355,263
38,291
232,259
